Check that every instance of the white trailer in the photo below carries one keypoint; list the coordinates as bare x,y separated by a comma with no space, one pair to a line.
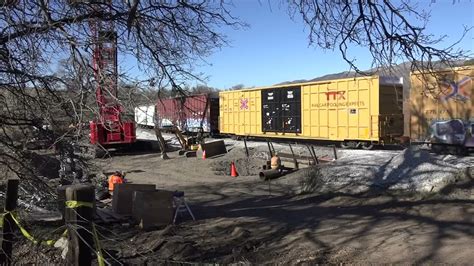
144,115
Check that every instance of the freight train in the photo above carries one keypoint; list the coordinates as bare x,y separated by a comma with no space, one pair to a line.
191,114
357,112
442,109
354,112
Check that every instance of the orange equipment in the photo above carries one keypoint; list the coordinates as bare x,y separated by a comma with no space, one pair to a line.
109,129
116,178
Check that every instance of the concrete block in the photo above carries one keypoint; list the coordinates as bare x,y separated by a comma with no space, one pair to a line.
122,200
212,149
153,208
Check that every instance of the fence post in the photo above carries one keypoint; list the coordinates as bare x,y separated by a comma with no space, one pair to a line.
78,221
8,223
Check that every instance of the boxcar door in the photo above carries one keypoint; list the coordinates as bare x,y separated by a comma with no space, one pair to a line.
290,104
270,110
281,110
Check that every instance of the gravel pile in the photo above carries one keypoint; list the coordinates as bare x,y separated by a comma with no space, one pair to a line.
246,166
411,170
417,170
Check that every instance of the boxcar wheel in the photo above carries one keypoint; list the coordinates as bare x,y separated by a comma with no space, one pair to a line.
345,145
348,144
235,137
367,145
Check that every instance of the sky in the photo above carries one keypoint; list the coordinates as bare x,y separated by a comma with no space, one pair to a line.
274,48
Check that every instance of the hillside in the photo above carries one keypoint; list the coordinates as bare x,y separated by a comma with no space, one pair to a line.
401,70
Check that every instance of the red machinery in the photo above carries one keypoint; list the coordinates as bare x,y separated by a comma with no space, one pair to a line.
108,129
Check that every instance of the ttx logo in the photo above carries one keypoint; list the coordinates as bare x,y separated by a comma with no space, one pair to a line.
339,95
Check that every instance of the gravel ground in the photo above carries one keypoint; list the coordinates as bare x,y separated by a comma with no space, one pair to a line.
247,221
409,171
356,171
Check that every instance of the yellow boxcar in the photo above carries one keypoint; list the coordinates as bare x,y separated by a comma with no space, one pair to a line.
441,96
354,111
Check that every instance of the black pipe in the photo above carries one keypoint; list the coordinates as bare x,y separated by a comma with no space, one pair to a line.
246,149
270,174
315,156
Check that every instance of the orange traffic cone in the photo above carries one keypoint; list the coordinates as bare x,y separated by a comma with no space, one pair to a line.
204,154
233,171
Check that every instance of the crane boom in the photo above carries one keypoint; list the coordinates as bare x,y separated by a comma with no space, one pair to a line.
108,128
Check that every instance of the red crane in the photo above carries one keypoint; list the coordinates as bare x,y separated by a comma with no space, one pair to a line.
107,129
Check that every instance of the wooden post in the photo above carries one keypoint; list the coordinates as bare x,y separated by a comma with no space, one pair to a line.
8,223
79,226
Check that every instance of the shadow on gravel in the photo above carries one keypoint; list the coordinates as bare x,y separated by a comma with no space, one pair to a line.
245,220
354,218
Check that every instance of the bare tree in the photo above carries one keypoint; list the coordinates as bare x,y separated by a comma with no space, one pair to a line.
237,87
392,32
165,37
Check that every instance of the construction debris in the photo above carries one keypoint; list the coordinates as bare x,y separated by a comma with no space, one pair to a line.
122,199
212,148
152,209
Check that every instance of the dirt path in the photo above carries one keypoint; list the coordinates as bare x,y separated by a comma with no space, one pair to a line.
239,221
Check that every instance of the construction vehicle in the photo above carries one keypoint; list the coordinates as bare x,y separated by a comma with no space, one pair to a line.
189,145
108,129
189,117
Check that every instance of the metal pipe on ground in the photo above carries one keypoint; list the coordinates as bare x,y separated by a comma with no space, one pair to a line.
270,174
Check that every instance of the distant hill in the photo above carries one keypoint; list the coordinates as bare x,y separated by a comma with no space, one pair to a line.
401,70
